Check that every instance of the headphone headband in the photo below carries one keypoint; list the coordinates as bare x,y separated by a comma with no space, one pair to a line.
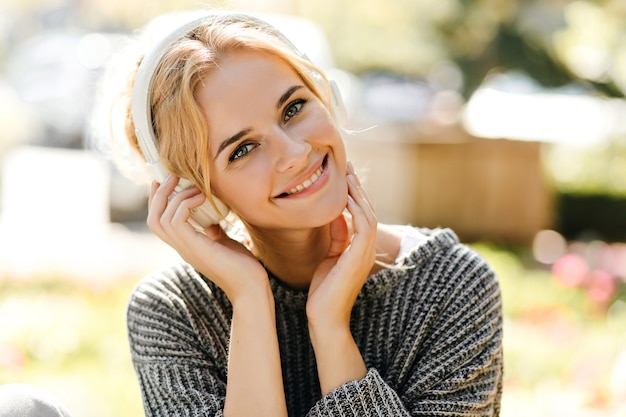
142,89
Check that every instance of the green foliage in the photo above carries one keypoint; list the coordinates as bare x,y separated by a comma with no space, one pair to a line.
70,340
595,170
551,42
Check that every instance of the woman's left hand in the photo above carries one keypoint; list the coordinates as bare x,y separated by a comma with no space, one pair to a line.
338,280
334,288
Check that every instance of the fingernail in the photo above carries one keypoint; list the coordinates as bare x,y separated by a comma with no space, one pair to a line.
355,179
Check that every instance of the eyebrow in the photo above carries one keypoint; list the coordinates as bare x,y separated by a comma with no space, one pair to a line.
287,94
231,140
225,144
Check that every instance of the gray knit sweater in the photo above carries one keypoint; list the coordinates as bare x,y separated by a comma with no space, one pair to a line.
430,333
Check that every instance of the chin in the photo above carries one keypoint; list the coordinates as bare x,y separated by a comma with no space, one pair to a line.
331,211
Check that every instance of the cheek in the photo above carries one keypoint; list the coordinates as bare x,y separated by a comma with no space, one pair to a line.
323,128
243,192
243,205
341,156
235,194
224,189
339,149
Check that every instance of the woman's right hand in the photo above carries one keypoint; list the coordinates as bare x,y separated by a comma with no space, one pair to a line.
253,352
223,260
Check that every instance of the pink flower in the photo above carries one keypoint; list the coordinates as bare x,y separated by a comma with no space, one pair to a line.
571,270
601,286
11,357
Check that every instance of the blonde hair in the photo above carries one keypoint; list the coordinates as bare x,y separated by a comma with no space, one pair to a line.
181,127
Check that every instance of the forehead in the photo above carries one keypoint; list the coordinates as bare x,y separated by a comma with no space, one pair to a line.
243,72
244,84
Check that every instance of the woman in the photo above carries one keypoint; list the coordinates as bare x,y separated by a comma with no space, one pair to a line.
318,310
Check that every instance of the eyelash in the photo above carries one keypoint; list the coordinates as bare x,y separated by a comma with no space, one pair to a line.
247,147
237,152
299,102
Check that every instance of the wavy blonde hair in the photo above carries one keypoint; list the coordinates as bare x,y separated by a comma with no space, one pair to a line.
181,126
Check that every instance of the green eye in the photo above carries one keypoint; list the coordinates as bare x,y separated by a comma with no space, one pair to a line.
293,109
241,151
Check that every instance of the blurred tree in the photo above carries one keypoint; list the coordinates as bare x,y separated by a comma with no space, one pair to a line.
531,36
554,41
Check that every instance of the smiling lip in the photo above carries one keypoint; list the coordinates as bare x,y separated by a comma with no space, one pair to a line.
312,179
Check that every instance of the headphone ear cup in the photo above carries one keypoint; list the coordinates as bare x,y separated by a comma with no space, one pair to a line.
338,107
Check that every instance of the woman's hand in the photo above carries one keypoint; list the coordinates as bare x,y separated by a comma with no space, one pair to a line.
338,280
253,354
335,286
223,260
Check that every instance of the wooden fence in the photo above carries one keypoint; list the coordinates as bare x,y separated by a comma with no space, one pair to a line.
484,189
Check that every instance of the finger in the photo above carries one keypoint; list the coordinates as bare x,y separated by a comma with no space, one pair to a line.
160,192
361,190
350,168
364,237
360,187
174,220
185,202
361,198
366,196
364,222
360,222
158,201
352,172
166,217
354,208
174,201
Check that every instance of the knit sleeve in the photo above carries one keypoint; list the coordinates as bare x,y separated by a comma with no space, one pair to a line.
175,369
449,362
370,396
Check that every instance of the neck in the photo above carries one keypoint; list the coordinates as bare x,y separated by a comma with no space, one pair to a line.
294,255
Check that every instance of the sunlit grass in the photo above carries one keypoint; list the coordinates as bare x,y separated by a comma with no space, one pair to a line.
71,341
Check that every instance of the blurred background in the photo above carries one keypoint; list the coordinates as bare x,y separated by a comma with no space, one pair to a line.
504,120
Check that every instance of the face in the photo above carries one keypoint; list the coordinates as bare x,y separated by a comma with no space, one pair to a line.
277,158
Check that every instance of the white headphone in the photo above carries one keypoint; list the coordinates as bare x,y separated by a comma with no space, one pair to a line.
206,214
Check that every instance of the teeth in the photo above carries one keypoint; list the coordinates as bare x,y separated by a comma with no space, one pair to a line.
309,182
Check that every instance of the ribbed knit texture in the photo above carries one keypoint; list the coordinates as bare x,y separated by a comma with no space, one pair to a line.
430,333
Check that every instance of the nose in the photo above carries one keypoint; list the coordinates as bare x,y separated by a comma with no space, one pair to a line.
292,151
